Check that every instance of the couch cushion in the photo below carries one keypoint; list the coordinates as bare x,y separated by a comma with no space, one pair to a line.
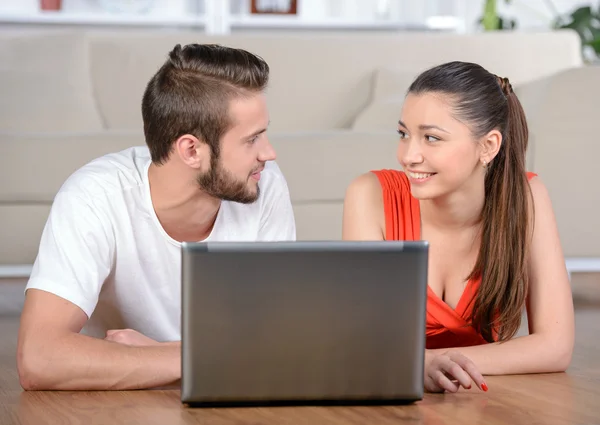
389,89
37,165
566,155
530,95
383,114
45,84
393,82
307,89
319,221
320,166
21,228
319,80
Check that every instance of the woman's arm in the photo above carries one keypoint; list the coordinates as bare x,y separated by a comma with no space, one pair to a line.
549,346
363,217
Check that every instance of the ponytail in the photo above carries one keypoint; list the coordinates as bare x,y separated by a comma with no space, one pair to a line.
487,102
503,256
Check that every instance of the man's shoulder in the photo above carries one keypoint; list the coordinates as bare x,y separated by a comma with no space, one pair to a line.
108,174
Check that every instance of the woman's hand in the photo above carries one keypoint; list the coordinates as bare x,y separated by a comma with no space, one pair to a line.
449,371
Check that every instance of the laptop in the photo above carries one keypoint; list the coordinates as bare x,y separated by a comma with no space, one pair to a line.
303,323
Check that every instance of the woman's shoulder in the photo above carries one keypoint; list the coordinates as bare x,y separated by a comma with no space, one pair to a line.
537,187
539,191
375,184
365,187
391,180
363,216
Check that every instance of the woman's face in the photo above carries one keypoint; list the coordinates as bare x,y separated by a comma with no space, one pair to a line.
437,152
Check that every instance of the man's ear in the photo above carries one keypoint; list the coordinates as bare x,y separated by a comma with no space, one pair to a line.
490,146
192,152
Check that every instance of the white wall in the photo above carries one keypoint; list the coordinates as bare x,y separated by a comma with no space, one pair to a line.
530,14
158,7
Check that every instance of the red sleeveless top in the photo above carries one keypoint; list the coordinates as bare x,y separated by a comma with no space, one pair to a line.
446,327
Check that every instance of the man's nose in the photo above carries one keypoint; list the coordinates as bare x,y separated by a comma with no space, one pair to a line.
267,152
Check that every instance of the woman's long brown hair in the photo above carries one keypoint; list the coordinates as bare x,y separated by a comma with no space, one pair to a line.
487,102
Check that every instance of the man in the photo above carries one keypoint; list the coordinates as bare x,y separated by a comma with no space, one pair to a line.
102,306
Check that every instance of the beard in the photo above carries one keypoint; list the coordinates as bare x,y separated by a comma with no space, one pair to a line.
222,184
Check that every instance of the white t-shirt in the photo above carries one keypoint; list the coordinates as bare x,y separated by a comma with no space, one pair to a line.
104,249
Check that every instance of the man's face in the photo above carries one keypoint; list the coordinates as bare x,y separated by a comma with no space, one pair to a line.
234,174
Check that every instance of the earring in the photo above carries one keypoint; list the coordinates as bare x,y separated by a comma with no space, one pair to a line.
484,163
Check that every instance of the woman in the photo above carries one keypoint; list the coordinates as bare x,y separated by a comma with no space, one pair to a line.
493,241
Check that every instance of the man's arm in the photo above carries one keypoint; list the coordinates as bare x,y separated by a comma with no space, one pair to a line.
52,355
76,255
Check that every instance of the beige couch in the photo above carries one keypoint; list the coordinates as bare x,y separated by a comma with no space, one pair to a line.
68,97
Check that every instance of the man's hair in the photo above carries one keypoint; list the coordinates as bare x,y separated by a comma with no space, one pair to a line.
191,92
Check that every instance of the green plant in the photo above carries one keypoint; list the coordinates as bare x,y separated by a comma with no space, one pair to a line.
491,21
586,22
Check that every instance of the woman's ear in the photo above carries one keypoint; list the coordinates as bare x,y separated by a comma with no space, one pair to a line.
490,146
192,152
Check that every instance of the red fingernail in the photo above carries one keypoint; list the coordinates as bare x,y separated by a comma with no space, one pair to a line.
484,387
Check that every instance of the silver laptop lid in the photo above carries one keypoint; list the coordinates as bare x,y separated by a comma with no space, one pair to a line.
303,322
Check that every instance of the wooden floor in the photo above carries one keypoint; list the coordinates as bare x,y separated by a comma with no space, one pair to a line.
564,398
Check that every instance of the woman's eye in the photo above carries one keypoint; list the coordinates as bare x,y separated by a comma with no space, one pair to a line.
432,139
402,134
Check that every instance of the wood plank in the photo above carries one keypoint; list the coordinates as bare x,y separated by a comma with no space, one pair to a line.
562,398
